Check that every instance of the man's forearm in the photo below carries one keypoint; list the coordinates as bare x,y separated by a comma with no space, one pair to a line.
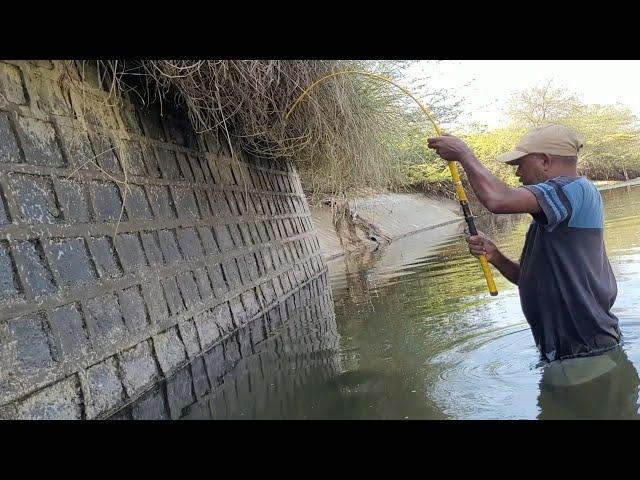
488,188
509,269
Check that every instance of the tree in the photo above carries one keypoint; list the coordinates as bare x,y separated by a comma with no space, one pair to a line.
612,141
546,103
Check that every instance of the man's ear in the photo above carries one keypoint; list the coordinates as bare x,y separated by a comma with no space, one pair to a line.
546,161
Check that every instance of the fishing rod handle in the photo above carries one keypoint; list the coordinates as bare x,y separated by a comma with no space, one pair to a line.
464,203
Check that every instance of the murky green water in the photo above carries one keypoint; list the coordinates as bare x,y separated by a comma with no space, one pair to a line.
417,336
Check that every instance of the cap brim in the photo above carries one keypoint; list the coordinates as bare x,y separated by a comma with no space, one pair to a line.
510,156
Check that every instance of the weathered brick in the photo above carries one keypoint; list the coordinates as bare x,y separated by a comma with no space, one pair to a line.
172,294
4,216
252,266
278,287
9,151
104,321
137,204
28,347
269,229
218,203
268,292
231,349
184,166
70,259
130,251
151,246
33,269
169,350
244,342
105,257
218,281
229,198
235,235
11,85
238,199
207,329
214,363
104,387
250,302
8,281
77,146
203,203
196,167
200,378
189,289
50,98
161,201
189,243
169,246
232,274
223,237
60,401
150,407
68,329
138,368
244,234
245,276
285,282
156,302
267,261
224,319
257,204
151,160
34,195
73,200
39,143
133,159
106,155
185,202
238,312
107,203
204,165
189,336
132,308
204,284
255,236
208,241
168,163
179,393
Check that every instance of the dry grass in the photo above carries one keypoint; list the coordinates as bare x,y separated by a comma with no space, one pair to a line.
341,137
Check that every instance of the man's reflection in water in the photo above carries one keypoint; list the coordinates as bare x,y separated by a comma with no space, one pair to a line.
599,387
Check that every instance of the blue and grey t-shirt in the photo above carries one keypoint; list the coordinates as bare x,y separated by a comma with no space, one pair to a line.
567,287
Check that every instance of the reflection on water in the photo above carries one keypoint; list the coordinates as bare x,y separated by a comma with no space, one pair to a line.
416,335
601,387
259,372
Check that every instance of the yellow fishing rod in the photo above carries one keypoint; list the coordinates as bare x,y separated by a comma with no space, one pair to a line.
453,168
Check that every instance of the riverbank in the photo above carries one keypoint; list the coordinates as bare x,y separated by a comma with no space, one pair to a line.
365,224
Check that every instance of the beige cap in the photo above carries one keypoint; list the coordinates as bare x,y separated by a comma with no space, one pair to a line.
551,139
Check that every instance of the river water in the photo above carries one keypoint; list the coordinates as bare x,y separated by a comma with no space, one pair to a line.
410,332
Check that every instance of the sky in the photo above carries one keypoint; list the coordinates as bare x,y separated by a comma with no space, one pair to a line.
487,84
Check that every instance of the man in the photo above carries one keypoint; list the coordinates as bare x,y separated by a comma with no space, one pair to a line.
566,284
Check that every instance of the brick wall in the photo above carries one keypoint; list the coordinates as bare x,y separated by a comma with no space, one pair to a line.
129,244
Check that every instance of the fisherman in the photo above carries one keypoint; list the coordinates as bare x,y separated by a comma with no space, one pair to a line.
564,277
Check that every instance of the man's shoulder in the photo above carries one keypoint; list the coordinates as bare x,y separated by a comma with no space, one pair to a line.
565,180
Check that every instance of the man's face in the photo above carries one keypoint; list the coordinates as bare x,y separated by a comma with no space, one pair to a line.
530,169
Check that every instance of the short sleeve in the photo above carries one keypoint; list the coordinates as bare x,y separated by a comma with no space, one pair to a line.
553,202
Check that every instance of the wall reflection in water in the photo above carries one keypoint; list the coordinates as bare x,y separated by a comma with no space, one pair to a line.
267,370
